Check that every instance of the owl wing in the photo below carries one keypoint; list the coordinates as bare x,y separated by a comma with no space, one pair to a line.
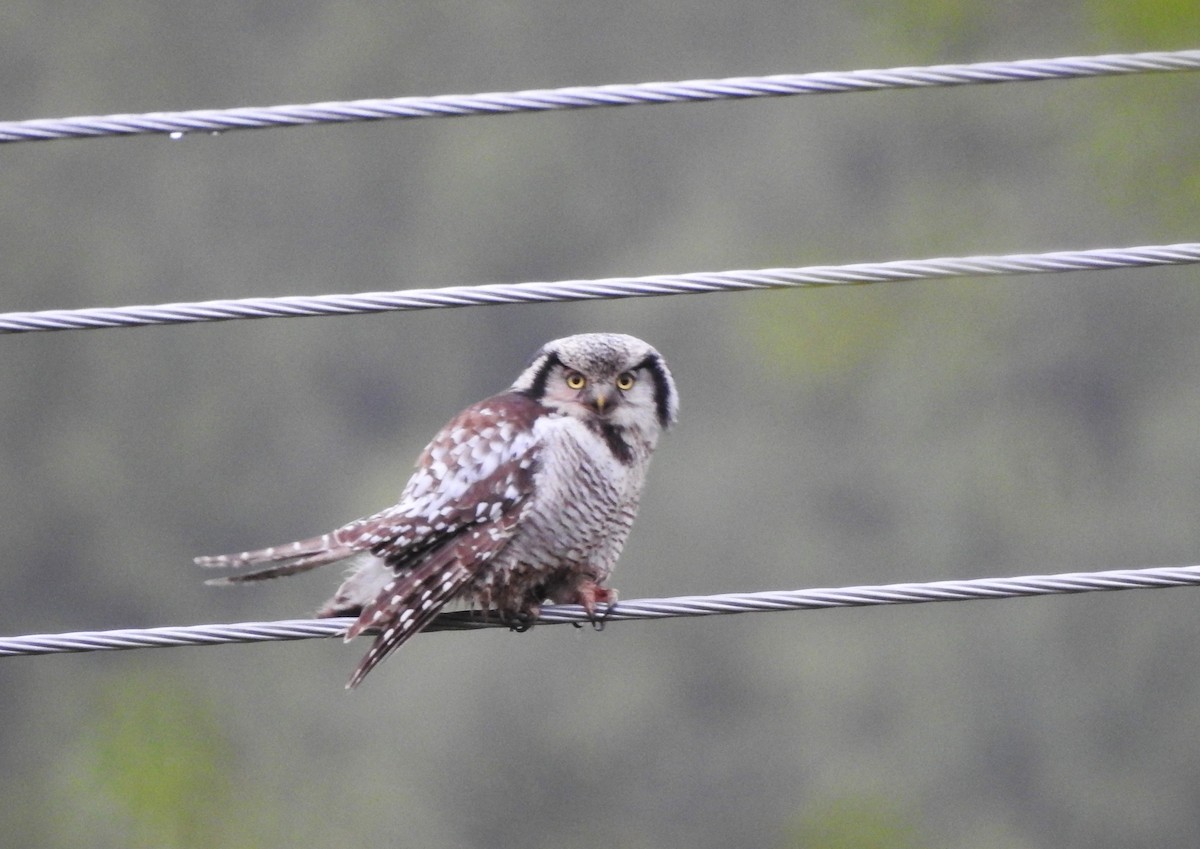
479,466
412,599
459,510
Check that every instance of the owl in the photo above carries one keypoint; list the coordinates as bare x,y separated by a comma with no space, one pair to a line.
524,498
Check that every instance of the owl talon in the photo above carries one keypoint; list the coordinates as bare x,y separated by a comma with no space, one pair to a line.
590,596
521,621
598,622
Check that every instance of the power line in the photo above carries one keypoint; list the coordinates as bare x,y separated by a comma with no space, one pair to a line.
178,124
661,608
615,287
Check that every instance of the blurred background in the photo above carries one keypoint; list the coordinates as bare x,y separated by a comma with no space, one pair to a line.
888,433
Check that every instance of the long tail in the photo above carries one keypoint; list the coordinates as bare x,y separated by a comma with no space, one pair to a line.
406,605
290,559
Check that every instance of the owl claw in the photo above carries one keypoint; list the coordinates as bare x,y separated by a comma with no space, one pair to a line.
598,622
521,621
590,596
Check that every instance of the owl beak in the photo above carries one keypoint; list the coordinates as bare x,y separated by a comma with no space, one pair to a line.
600,401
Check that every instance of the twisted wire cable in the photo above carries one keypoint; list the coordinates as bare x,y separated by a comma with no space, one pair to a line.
178,124
651,608
615,287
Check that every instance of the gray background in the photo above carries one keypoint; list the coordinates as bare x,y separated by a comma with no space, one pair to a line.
870,435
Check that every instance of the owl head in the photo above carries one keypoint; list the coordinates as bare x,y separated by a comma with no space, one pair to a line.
612,377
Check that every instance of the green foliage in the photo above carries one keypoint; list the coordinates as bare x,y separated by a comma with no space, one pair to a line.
855,822
938,27
1137,159
1147,24
1127,135
820,335
153,764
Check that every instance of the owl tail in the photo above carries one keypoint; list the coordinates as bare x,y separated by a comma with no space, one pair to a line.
406,605
290,559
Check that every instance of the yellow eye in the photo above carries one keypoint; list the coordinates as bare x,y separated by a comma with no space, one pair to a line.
575,380
625,381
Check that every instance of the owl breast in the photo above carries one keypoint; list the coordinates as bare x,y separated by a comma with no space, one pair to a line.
574,526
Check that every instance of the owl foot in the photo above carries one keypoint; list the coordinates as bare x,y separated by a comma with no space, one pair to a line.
590,596
521,621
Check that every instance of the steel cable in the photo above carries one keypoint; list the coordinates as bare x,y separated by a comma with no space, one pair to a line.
616,287
179,124
650,608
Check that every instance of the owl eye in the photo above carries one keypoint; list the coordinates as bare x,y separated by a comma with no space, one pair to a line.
575,380
625,381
